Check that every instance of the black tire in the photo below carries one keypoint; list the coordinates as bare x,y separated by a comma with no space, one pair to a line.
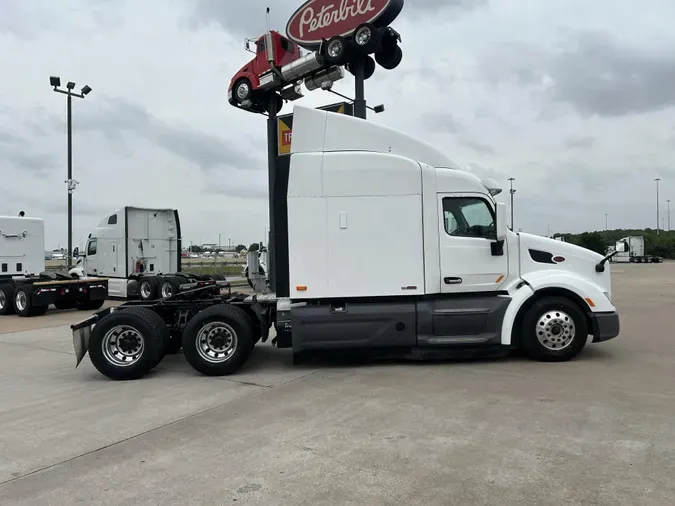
338,51
238,329
240,85
549,320
390,58
369,69
96,304
25,307
64,304
88,305
164,332
374,42
6,299
148,288
168,286
152,331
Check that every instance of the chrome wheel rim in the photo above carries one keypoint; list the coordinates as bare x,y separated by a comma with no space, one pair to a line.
363,36
242,91
167,291
145,289
123,346
3,299
555,330
335,48
216,342
21,301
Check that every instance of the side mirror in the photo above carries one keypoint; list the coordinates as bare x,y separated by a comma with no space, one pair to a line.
76,252
502,228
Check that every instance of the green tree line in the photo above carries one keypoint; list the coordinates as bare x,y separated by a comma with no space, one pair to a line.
662,245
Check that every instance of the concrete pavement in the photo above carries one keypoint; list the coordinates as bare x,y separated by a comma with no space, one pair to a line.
598,430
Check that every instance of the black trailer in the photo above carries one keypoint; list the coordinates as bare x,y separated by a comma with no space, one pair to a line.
31,295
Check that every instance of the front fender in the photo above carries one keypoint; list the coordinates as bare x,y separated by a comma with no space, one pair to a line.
543,280
591,293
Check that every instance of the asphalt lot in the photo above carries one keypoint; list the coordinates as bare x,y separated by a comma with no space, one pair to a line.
598,430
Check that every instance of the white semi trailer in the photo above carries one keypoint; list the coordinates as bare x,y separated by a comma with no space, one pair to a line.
634,247
454,278
139,251
26,288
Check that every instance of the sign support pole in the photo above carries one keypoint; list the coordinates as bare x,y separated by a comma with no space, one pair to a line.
272,179
360,110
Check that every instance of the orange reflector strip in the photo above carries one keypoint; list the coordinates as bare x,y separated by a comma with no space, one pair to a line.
301,288
590,302
499,278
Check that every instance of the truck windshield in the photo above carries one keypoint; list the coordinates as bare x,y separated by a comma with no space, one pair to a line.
261,45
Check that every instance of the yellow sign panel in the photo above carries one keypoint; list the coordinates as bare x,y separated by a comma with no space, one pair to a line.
285,125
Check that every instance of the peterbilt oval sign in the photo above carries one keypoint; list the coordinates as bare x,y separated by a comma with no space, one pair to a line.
322,19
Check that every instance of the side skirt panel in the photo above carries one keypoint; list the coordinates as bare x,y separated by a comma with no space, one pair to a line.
461,321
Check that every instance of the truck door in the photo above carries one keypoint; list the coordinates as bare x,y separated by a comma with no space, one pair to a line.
91,260
468,229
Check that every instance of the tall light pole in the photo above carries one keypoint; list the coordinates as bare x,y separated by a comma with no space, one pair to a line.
657,205
55,82
668,201
512,192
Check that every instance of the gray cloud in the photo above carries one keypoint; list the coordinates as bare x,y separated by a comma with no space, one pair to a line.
443,121
599,74
594,72
248,18
575,142
252,191
115,118
23,155
477,146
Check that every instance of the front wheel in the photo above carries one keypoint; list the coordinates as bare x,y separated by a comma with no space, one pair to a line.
554,329
217,341
243,90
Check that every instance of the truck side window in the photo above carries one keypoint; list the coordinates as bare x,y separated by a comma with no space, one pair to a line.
112,220
468,217
261,45
91,248
286,45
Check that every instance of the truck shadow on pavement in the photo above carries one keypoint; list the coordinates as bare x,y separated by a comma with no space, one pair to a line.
267,362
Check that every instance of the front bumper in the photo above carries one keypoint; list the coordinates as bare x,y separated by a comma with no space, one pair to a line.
604,326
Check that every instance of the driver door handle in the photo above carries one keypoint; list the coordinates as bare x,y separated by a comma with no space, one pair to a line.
452,281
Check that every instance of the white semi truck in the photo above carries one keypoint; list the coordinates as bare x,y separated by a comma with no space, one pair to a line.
634,247
139,251
26,288
454,278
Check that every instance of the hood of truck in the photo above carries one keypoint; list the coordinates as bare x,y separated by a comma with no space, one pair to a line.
541,256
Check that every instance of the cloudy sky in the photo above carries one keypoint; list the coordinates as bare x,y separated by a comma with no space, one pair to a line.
572,98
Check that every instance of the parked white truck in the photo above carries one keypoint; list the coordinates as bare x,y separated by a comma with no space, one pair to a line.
139,251
454,278
634,247
25,287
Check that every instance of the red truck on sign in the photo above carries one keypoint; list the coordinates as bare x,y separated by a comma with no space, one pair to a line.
335,35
